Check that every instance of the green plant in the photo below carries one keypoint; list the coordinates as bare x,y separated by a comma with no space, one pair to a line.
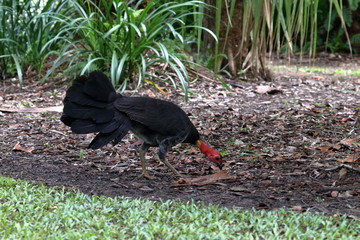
249,29
29,34
37,212
128,39
334,17
81,154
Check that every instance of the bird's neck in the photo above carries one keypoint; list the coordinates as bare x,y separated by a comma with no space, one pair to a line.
204,148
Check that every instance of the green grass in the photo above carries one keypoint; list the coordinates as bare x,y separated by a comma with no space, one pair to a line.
347,72
37,212
313,70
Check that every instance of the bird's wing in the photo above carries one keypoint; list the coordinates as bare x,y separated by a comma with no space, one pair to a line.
160,116
112,131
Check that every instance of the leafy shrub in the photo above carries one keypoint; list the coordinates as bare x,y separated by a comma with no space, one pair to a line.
123,38
29,34
127,38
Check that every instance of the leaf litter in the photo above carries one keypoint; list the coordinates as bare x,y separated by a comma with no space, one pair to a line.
295,148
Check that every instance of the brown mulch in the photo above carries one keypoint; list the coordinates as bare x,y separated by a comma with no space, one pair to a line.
291,143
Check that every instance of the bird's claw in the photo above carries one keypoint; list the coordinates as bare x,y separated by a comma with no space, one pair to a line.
145,174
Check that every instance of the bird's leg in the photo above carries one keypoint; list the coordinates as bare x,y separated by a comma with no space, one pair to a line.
144,148
162,156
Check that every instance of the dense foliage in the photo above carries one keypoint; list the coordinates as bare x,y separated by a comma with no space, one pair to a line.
127,39
123,38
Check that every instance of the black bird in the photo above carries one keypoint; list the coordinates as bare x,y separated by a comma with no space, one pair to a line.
91,105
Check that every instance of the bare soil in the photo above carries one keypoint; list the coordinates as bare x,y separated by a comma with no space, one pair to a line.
296,146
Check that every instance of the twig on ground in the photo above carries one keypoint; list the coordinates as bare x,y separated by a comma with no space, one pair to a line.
343,165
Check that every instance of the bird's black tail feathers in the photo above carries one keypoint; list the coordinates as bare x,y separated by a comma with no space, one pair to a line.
89,108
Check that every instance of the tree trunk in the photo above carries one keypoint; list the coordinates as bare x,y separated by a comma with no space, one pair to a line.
234,40
230,36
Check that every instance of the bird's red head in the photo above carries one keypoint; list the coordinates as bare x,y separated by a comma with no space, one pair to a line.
212,154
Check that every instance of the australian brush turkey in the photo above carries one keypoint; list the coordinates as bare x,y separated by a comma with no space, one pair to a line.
91,105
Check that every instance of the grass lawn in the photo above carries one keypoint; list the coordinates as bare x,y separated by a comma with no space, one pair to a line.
37,212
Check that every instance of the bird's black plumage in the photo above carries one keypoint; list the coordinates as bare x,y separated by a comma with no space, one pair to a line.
92,105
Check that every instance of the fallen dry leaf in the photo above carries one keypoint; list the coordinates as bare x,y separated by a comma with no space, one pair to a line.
342,173
239,189
204,180
181,181
326,149
150,93
297,208
346,194
349,159
334,193
267,89
33,110
336,147
14,126
18,147
146,189
207,132
330,149
343,120
318,77
350,142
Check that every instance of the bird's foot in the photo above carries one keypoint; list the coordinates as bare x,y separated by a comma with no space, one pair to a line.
151,177
179,175
145,174
174,174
